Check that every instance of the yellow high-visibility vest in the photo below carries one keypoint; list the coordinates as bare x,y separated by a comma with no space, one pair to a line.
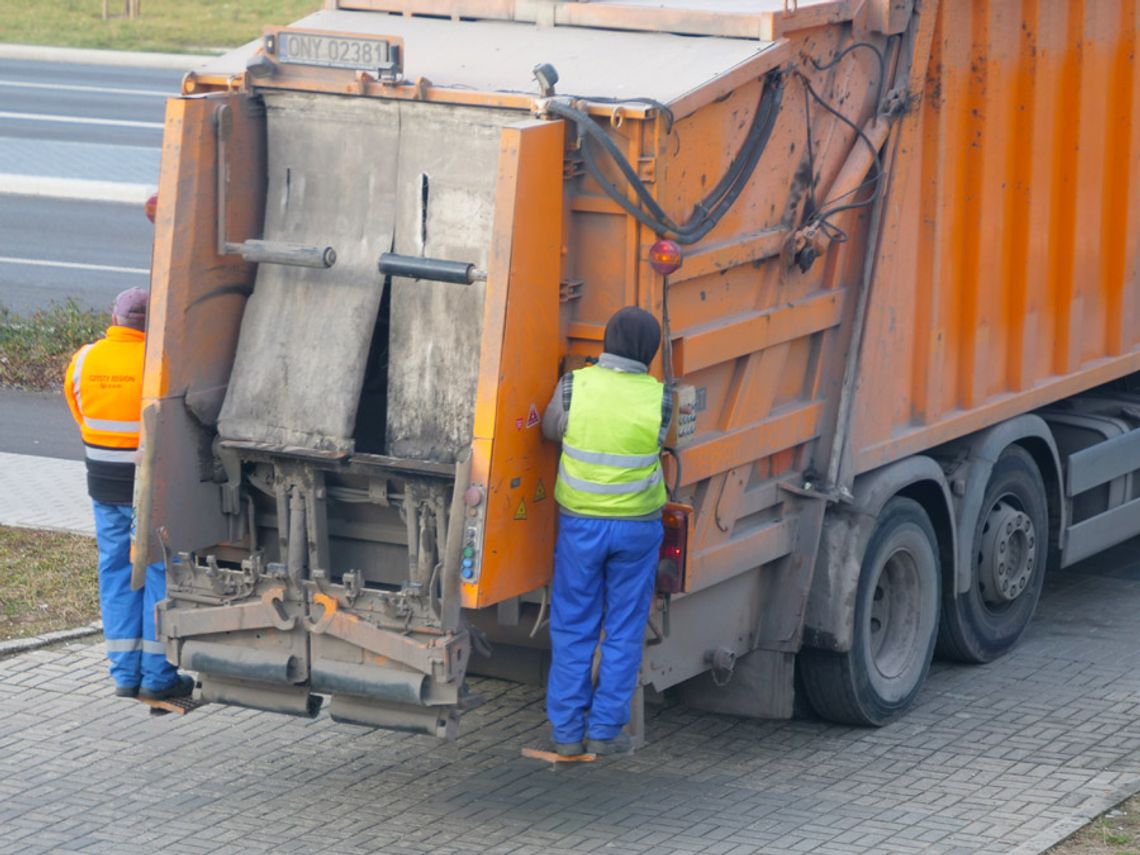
611,459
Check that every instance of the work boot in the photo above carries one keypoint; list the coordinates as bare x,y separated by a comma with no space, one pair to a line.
182,687
569,749
620,744
126,691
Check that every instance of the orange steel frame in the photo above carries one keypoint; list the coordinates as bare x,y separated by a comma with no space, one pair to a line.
1005,268
1007,277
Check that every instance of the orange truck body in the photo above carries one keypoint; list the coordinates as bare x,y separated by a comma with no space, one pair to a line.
927,259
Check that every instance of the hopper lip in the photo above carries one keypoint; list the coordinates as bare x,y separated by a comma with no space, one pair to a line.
496,57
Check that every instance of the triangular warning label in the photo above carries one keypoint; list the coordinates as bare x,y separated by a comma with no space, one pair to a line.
540,491
533,418
520,514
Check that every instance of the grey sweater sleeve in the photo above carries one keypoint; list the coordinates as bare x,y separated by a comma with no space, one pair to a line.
557,411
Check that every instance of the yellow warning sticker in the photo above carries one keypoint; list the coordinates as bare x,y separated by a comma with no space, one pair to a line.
540,491
520,514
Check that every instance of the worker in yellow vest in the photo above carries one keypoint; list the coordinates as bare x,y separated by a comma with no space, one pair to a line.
103,386
612,419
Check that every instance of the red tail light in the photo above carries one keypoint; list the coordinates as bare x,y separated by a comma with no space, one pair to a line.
674,549
665,257
151,207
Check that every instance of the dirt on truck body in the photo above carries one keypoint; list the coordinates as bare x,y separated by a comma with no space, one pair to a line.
901,335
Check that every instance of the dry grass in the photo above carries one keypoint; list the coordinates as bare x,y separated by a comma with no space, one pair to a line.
178,26
48,581
1116,832
35,349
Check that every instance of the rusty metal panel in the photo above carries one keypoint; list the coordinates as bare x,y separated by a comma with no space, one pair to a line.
195,312
1007,276
447,164
306,332
889,16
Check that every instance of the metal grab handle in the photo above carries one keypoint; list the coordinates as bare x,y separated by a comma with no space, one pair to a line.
436,269
259,251
281,252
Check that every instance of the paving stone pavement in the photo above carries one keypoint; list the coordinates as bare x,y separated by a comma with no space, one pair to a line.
1008,757
44,492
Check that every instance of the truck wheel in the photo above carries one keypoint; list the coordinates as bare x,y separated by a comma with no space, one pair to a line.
896,621
1009,548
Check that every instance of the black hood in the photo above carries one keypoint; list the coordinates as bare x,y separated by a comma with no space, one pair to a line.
634,334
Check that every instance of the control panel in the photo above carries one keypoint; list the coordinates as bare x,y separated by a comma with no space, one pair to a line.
683,426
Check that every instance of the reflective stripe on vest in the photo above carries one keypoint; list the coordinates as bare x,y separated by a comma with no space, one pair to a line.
77,376
111,425
629,461
111,455
620,489
610,464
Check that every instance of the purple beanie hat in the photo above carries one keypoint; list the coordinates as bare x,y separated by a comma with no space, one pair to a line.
129,309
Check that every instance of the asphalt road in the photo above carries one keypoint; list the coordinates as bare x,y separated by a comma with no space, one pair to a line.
84,103
38,423
85,122
74,122
87,251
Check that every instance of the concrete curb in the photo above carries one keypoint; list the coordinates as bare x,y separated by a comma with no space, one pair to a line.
24,645
88,56
75,188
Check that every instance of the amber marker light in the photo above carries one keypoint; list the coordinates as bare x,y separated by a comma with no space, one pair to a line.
151,207
665,257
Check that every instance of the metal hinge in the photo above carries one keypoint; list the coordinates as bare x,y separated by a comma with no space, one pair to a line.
569,289
647,169
572,168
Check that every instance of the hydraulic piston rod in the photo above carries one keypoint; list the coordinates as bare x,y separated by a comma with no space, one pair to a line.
437,269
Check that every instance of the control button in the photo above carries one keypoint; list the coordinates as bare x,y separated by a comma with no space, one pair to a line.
468,573
468,552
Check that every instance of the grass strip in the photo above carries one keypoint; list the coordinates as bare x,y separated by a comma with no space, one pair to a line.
175,26
1115,832
48,581
35,348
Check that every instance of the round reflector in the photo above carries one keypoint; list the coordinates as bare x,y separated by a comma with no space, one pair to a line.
151,207
665,257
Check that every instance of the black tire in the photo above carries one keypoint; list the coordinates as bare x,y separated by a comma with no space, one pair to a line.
896,622
974,628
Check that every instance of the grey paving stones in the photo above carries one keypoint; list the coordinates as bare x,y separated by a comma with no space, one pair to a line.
1008,757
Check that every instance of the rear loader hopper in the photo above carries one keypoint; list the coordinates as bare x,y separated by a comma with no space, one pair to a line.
384,231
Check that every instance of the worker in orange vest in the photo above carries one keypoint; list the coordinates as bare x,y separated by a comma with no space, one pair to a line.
103,386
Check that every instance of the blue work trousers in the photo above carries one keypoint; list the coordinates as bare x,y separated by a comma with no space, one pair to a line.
128,616
604,571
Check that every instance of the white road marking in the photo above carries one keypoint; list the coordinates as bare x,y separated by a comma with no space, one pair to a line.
74,188
73,265
80,120
102,90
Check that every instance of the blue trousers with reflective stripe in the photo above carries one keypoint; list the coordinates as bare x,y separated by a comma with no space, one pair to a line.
128,616
604,570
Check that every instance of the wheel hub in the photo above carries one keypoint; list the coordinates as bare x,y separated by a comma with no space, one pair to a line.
1007,554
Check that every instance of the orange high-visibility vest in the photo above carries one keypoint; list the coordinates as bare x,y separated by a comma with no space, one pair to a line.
103,386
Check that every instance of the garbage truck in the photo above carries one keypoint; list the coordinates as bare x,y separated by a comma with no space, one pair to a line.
892,247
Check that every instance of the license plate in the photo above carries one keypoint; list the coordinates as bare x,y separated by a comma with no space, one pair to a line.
355,52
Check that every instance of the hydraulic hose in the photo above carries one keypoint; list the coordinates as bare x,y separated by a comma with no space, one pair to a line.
713,207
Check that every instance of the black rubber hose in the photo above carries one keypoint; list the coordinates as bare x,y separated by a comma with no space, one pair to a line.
711,209
587,126
757,133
